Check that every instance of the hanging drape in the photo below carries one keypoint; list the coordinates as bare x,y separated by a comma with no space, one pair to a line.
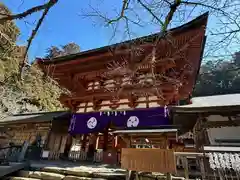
84,123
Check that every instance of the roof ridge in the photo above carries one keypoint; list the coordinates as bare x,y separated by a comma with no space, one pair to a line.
36,113
193,22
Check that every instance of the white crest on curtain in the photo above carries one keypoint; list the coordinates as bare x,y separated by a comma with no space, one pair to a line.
133,121
72,123
92,123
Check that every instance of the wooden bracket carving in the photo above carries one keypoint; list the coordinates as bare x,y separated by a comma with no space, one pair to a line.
79,83
132,101
96,104
114,104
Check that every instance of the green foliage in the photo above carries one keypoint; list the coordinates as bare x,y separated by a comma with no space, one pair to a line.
70,48
35,92
9,27
53,52
219,77
8,34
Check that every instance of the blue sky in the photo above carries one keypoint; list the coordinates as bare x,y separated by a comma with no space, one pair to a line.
61,26
65,24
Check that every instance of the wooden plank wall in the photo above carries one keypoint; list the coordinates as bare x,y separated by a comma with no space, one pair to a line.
28,132
148,160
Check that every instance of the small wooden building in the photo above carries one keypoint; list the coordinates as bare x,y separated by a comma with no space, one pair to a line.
215,124
214,120
49,128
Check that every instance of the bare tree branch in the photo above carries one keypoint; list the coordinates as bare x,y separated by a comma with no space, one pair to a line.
28,12
229,32
168,19
150,11
202,4
124,7
34,32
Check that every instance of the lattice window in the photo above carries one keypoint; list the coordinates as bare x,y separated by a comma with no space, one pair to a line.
145,78
93,85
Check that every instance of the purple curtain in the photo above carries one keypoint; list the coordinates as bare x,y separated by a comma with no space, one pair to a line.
83,123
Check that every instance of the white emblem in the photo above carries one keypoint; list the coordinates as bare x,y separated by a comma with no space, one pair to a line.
72,123
133,121
92,123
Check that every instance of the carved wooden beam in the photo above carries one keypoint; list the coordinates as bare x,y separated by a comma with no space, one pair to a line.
79,83
132,101
96,103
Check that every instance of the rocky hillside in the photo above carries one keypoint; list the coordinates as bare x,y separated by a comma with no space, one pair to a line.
35,92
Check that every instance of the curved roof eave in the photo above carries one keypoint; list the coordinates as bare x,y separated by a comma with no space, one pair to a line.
195,23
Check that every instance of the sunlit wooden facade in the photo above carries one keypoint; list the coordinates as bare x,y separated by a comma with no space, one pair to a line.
83,74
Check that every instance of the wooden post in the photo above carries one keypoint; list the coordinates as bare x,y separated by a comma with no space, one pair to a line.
131,175
128,174
97,142
202,169
168,176
185,164
23,151
137,176
84,142
115,141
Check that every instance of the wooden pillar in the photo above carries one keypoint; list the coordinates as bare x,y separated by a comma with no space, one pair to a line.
97,142
115,141
84,142
105,140
202,169
185,165
46,143
93,139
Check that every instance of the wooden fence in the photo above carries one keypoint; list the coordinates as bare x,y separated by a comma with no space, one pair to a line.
77,155
82,156
148,160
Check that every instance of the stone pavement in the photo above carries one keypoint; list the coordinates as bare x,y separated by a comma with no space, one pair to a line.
64,170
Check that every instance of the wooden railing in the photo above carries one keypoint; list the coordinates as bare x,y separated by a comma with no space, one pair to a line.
190,164
13,153
77,155
82,156
9,154
98,156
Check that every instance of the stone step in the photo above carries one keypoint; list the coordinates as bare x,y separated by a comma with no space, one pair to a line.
22,178
65,178
40,175
81,178
85,171
78,175
67,175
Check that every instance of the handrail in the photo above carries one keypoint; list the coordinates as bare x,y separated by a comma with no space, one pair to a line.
192,154
9,147
9,153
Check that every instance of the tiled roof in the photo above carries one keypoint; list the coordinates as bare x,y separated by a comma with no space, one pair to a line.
228,102
217,100
41,116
